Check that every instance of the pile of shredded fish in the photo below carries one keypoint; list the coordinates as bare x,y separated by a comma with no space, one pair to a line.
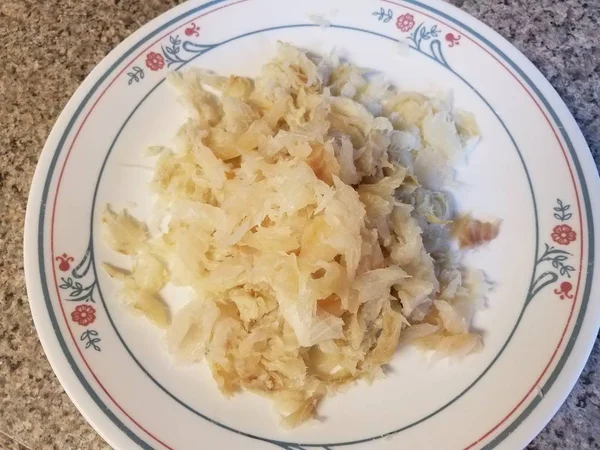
305,210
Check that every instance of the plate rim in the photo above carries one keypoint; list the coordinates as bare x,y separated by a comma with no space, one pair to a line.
34,201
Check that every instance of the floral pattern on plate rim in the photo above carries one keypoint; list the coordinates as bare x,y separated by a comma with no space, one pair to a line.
80,289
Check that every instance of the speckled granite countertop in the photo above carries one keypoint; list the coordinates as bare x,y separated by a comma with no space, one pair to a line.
49,46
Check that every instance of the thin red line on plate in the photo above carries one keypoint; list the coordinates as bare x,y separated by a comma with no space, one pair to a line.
96,378
56,199
487,434
386,1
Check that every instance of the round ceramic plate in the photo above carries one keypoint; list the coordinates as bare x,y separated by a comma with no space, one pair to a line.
532,169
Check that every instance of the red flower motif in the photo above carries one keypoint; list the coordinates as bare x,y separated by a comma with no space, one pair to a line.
84,315
192,30
65,262
452,40
155,61
563,234
405,22
563,290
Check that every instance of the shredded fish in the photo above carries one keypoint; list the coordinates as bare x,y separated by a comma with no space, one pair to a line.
306,215
473,233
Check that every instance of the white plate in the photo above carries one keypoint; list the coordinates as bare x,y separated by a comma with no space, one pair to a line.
533,169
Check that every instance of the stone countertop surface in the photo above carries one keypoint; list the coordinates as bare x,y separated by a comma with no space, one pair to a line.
48,48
